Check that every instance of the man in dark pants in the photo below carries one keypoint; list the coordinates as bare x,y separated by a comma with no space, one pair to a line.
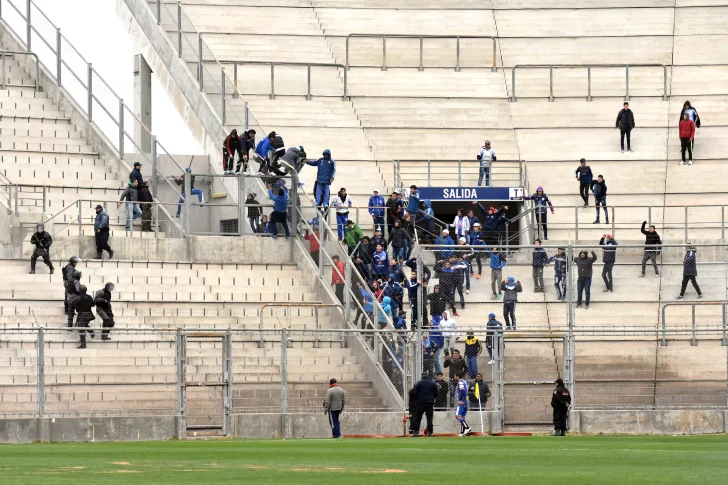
608,258
625,123
246,143
585,177
73,289
560,401
442,389
67,275
652,248
334,406
457,366
584,266
101,232
690,272
82,304
42,241
145,201
426,392
102,298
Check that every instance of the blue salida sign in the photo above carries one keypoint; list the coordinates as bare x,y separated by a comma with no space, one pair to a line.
471,193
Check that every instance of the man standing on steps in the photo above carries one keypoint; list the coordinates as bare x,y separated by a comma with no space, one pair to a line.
334,406
600,198
324,178
625,123
560,402
585,177
145,200
42,241
584,266
690,272
101,232
102,299
608,258
82,304
540,259
652,248
376,209
486,157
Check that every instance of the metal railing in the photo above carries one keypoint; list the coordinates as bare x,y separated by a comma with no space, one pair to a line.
273,64
588,67
500,168
422,39
60,57
5,53
694,329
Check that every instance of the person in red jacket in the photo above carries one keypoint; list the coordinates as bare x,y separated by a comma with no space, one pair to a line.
687,135
337,278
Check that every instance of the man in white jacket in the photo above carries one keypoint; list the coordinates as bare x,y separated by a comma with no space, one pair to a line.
449,329
342,202
486,157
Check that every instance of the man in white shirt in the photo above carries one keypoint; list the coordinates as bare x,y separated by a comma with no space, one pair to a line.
486,156
342,202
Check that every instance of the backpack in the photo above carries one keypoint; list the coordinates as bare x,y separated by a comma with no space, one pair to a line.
277,143
597,190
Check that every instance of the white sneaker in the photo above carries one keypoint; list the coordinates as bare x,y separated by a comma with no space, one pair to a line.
467,431
682,163
690,162
490,362
467,292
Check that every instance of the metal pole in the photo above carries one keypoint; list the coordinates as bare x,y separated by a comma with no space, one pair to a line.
495,63
551,83
308,92
242,203
59,61
626,71
664,327
188,205
422,46
722,222
89,86
576,222
693,340
284,383
235,80
346,85
457,55
222,97
41,371
664,83
80,218
179,29
121,128
613,223
346,68
588,83
649,216
159,12
199,60
686,223
272,81
460,173
384,53
513,84
181,363
420,293
28,25
347,290
569,287
725,325
227,370
247,119
155,163
45,199
4,76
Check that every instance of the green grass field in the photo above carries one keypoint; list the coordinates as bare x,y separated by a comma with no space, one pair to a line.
700,460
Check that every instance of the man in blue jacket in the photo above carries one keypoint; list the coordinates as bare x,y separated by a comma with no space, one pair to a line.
136,174
380,263
324,178
585,177
264,145
280,210
101,231
376,209
444,240
497,263
413,203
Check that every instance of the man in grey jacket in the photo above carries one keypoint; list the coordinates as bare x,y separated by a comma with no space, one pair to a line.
511,288
131,196
334,406
583,283
690,272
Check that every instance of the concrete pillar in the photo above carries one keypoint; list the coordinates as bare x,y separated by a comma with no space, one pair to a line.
143,102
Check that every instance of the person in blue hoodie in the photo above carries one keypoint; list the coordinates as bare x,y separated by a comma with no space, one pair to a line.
585,177
444,240
264,145
324,178
367,306
561,267
497,263
540,201
395,292
380,263
376,209
413,203
396,269
478,242
384,318
280,210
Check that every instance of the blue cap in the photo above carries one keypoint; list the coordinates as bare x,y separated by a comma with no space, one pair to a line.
491,315
511,279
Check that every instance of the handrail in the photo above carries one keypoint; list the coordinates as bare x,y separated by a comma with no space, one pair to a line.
494,165
273,64
589,68
4,53
422,38
55,75
314,305
692,305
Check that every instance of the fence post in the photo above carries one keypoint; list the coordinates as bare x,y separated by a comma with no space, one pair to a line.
495,56
422,48
498,378
28,25
551,83
80,218
227,390
45,199
576,222
588,83
59,61
686,223
725,332
181,363
420,293
187,196
384,53
242,203
179,29
429,172
664,326
348,287
284,383
159,12
626,73
199,60
346,85
513,84
222,97
460,172
649,216
41,371
308,92
235,80
155,164
614,227
4,75
457,55
89,86
722,222
693,340
272,81
569,287
664,83
247,114
121,128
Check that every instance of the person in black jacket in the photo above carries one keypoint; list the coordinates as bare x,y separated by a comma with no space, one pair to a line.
73,289
229,147
82,304
102,299
652,248
246,142
438,302
42,241
608,258
442,389
458,367
426,392
540,259
145,201
254,211
560,401
67,273
599,188
412,410
136,174
625,123
584,266
585,177
479,401
690,272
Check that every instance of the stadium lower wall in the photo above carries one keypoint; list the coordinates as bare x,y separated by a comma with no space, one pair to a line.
650,422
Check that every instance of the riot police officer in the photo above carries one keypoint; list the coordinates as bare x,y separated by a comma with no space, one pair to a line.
67,273
82,304
102,298
73,287
560,401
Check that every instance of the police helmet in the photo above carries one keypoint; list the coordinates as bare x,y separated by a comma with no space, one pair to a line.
74,259
76,275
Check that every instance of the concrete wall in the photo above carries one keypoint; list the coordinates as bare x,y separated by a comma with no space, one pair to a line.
198,249
89,429
649,422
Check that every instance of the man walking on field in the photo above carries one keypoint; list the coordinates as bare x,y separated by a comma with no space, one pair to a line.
334,406
462,409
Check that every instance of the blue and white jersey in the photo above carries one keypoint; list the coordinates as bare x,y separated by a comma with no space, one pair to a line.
462,393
